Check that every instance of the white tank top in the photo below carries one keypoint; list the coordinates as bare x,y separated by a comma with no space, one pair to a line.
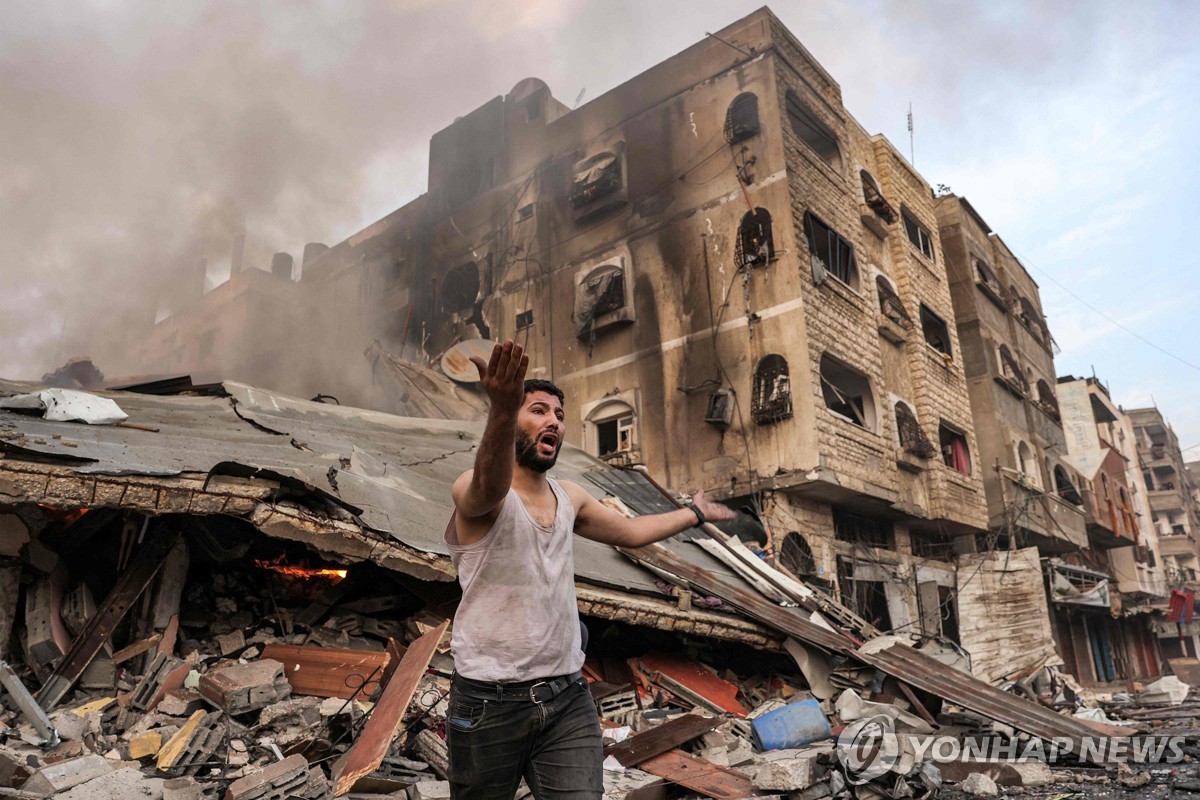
518,619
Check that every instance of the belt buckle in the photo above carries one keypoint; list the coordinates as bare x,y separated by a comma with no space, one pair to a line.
533,691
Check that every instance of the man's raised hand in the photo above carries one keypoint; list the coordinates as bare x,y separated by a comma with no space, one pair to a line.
503,378
713,512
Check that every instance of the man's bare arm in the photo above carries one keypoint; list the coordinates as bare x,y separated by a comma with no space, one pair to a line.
598,522
478,492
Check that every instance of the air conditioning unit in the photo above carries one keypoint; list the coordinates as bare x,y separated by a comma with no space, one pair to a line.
719,412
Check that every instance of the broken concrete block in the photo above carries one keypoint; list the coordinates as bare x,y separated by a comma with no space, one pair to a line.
71,727
231,642
429,790
287,778
46,635
122,783
55,778
165,674
145,744
238,688
786,770
978,784
180,703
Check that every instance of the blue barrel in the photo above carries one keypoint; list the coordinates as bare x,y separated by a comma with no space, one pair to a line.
793,725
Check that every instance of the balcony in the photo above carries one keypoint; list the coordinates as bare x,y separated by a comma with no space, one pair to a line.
1164,500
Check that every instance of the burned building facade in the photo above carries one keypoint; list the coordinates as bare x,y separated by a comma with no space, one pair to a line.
735,285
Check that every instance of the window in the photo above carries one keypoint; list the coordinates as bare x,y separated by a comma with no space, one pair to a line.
1011,370
814,133
847,392
1047,400
596,177
1064,487
1031,319
772,398
524,212
719,409
600,299
864,530
874,198
986,280
741,120
1027,465
533,108
890,304
460,289
955,453
912,438
918,234
525,320
613,430
937,335
796,556
927,544
831,254
755,245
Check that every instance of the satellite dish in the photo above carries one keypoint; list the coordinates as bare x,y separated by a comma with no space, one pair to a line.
456,362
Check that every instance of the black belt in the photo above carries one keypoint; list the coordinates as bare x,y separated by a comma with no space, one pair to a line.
542,690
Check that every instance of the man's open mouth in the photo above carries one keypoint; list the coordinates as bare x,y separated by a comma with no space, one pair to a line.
548,440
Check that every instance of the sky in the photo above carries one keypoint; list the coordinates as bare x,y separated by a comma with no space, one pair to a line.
137,134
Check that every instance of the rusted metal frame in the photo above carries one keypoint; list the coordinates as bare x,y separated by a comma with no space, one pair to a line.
659,740
812,602
699,775
144,565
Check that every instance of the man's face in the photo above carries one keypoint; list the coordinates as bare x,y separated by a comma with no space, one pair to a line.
540,431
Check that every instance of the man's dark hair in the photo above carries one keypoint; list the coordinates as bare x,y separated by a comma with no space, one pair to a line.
537,385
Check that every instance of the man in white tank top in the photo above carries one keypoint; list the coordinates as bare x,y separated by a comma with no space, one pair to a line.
519,706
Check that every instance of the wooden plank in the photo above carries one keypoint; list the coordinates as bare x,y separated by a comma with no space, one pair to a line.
137,648
367,752
660,739
699,775
328,671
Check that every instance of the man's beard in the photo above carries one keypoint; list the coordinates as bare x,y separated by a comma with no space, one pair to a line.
528,456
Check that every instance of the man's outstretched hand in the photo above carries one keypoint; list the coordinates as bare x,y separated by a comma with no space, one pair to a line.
503,378
713,512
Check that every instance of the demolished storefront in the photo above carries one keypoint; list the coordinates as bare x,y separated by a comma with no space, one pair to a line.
243,589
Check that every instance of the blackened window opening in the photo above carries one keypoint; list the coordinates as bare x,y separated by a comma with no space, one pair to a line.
741,120
937,334
890,303
937,546
525,320
834,252
1012,370
460,288
1046,399
796,556
847,392
772,397
599,176
912,437
755,243
1065,488
865,530
814,133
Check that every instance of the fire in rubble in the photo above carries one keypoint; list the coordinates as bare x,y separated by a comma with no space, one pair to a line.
304,573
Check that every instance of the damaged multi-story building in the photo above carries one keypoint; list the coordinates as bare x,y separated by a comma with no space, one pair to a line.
736,286
1054,496
1169,490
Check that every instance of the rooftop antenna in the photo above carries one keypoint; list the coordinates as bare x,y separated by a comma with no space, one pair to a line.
579,97
912,156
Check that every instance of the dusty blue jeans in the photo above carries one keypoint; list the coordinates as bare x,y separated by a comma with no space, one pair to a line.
555,745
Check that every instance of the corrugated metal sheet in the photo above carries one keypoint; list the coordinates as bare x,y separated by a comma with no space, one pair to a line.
1004,622
394,472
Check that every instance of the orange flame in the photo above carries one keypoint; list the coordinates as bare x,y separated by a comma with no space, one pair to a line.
304,573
